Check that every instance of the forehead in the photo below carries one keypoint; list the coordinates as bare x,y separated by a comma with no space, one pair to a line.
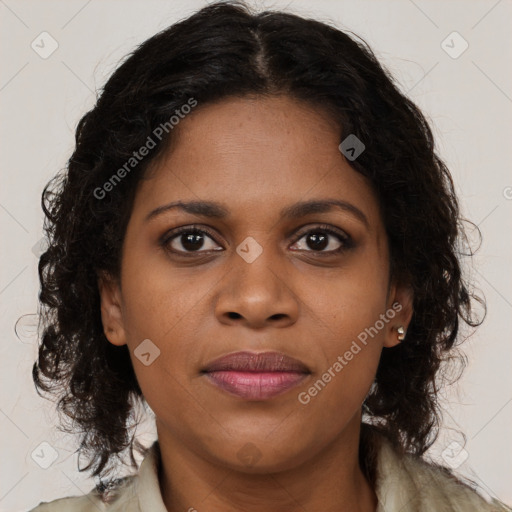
250,152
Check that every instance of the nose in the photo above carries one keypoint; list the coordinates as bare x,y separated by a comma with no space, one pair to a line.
257,294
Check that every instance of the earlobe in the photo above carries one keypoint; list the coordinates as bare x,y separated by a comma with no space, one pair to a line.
401,302
111,311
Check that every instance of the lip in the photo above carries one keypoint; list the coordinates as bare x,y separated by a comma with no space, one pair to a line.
246,361
256,376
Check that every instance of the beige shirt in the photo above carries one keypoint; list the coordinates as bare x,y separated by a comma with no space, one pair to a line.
403,484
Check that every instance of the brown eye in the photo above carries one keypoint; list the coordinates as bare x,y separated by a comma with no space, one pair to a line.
324,239
188,240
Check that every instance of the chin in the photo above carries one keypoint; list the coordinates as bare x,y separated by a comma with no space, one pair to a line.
261,457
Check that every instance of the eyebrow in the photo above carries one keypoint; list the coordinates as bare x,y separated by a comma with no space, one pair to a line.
216,210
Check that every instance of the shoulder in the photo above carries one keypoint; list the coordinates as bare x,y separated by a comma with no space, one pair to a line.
442,490
409,482
119,496
131,493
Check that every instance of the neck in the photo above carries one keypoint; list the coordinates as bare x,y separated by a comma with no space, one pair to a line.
331,480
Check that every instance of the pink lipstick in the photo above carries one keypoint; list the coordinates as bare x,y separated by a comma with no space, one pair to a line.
256,376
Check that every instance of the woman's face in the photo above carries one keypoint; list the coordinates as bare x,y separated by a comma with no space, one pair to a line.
266,276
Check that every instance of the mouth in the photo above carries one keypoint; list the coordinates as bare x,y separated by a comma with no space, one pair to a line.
256,376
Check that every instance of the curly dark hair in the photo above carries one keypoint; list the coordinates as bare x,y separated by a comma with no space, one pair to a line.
226,50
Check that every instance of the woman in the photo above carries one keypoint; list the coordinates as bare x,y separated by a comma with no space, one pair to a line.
254,237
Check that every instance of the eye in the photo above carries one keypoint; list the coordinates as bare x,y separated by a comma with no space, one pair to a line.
189,239
321,237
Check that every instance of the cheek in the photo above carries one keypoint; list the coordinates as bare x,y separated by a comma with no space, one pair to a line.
162,307
158,297
352,298
350,343
349,353
348,333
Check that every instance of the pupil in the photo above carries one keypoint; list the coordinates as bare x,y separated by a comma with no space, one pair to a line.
192,241
319,241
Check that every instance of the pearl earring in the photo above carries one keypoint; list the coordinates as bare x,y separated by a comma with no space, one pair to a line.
401,333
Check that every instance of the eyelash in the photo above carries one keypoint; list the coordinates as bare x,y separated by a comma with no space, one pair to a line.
343,238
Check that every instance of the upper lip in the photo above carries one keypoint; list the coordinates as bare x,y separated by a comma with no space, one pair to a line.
257,362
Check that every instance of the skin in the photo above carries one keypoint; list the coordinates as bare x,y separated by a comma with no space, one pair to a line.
255,156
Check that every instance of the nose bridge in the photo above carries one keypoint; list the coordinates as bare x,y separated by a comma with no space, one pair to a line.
256,288
256,267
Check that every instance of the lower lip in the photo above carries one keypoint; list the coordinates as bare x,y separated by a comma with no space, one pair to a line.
255,385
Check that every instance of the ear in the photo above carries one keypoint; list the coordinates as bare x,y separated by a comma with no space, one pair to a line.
401,303
111,309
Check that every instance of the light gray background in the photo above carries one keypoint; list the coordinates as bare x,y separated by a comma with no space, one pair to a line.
468,100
